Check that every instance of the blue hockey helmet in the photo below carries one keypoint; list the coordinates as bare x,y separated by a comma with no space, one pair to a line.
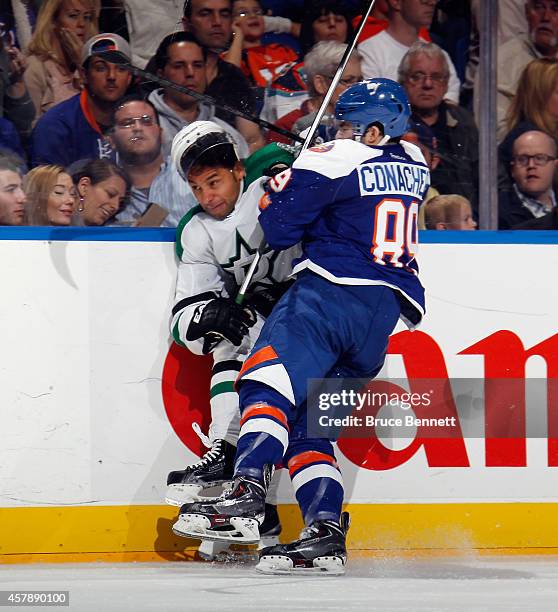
381,100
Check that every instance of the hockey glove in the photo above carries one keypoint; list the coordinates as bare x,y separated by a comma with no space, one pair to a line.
264,300
223,318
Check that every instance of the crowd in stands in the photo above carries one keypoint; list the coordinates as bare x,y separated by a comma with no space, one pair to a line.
86,141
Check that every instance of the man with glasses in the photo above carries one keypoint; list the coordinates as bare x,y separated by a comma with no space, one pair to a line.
533,167
382,53
424,73
136,138
320,65
75,129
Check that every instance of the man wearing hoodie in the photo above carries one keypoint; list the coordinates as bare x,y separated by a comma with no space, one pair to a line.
181,59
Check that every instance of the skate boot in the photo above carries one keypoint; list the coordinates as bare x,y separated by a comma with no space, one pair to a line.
234,517
321,549
215,468
212,550
270,529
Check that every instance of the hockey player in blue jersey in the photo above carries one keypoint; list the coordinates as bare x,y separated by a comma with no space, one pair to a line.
354,208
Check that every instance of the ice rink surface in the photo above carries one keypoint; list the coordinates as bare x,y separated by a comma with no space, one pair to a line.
491,584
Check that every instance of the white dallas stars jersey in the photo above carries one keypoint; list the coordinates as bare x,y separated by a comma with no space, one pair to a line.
216,254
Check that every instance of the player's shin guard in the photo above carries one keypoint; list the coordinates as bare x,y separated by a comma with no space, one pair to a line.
317,484
264,429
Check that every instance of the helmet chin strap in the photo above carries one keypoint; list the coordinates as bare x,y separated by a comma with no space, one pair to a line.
383,141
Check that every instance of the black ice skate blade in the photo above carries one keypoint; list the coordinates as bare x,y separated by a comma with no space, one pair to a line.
277,566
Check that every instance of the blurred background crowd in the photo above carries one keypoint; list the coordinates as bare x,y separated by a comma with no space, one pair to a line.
84,141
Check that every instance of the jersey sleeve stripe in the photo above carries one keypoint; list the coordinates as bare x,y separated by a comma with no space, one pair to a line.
183,222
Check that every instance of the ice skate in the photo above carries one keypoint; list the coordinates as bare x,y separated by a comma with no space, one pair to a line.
215,468
235,517
222,551
321,549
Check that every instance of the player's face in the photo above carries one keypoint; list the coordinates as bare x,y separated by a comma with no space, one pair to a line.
248,15
217,189
105,81
12,198
532,179
542,17
61,201
330,27
418,13
185,66
211,23
75,17
102,200
426,83
136,131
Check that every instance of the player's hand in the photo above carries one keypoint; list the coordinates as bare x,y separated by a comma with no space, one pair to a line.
264,300
224,318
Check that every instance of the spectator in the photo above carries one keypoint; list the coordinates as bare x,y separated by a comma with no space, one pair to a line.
321,64
424,72
15,102
54,53
9,138
101,190
517,52
261,64
210,21
324,20
51,196
382,53
75,128
533,108
147,23
181,59
376,22
12,196
422,136
533,168
136,137
449,212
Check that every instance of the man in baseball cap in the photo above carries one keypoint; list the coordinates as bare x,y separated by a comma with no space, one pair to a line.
110,47
75,129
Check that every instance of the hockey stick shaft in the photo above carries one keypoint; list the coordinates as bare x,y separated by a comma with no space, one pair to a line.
309,137
118,58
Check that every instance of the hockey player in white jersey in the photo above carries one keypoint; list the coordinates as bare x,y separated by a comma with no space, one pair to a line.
216,242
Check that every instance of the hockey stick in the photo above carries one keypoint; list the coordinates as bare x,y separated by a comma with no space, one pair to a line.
117,57
309,137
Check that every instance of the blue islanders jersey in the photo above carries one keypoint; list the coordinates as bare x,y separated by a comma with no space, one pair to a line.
355,209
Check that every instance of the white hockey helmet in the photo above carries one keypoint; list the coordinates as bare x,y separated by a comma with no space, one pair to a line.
195,139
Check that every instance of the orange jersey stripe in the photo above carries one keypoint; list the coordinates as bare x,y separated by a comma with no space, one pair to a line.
264,410
299,461
264,354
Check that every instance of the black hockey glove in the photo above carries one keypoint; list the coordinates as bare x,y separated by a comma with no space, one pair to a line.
221,318
264,300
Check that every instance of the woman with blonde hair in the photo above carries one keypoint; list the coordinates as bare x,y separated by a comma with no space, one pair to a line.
51,196
52,73
536,100
534,107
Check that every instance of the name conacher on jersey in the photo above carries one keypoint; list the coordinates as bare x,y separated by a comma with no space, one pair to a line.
393,178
